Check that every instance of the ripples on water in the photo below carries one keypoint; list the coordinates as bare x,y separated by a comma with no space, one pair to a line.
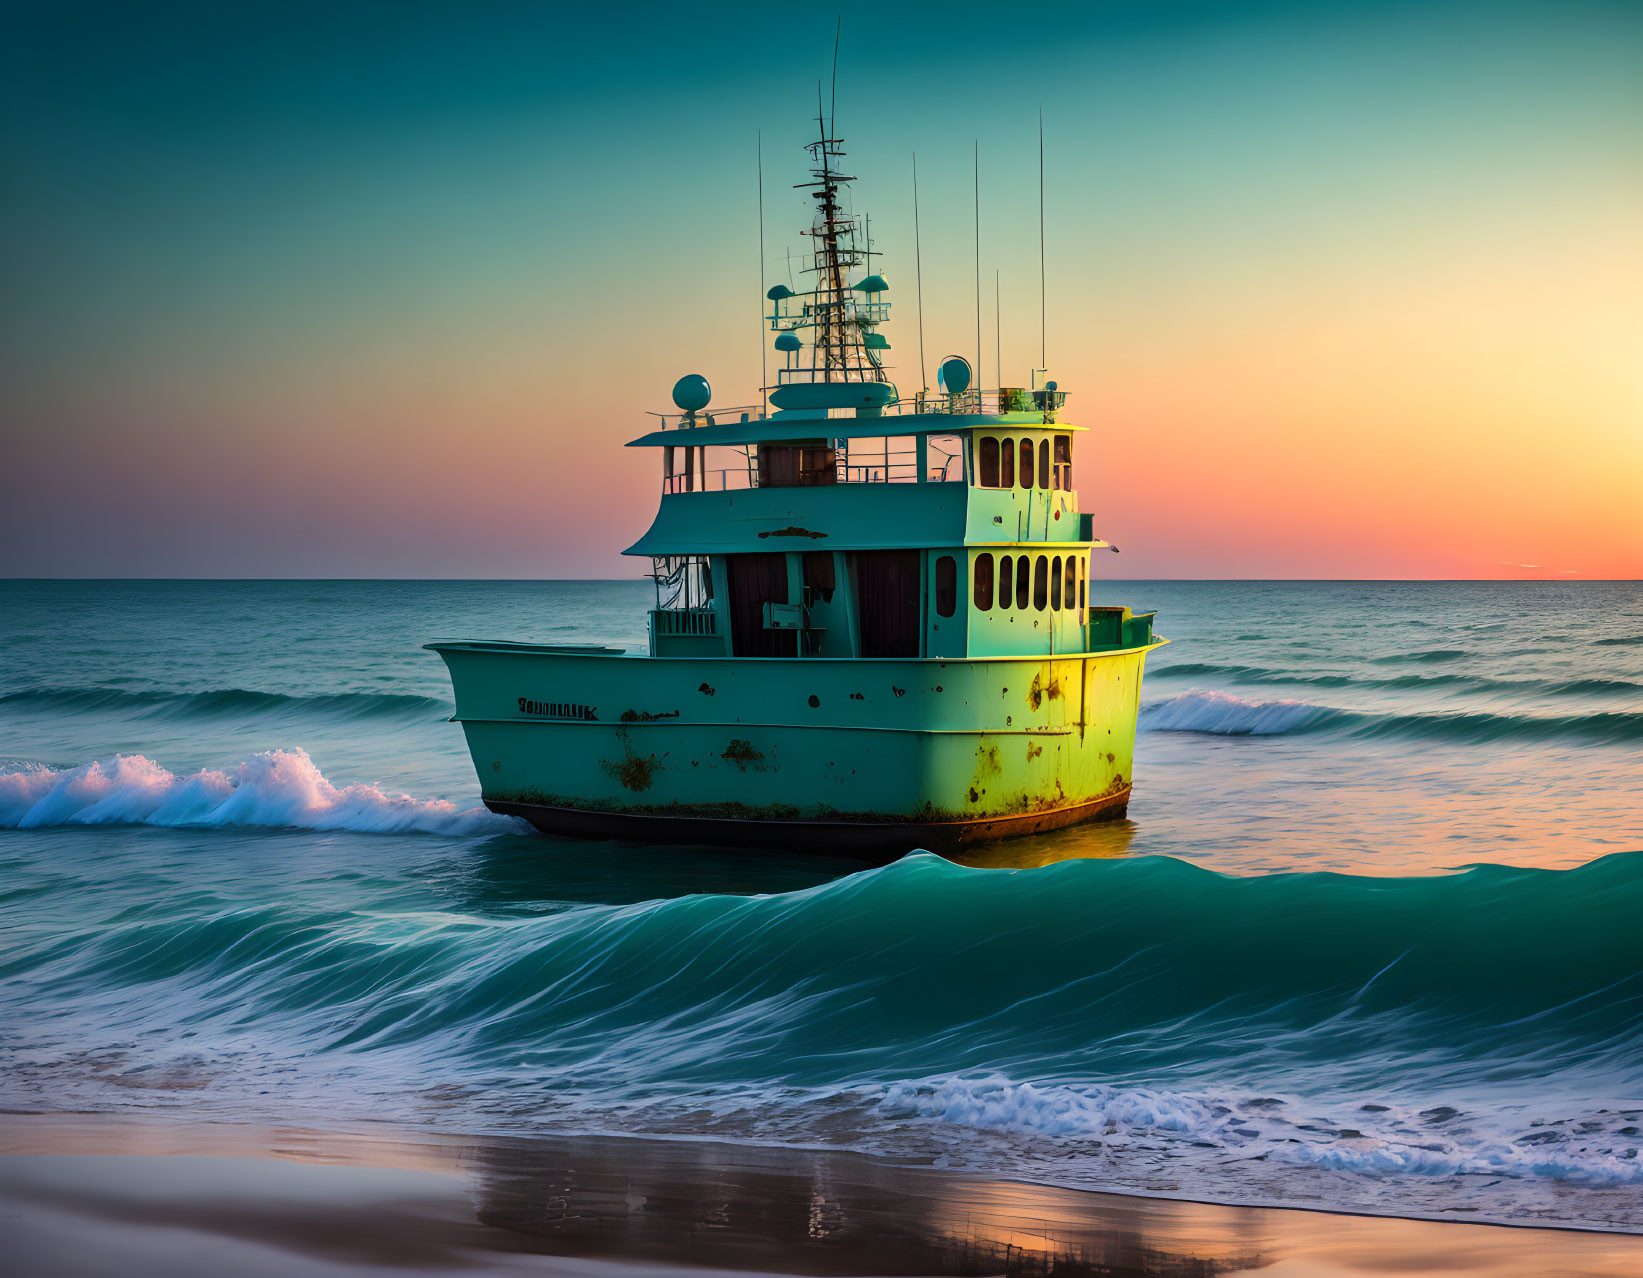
1276,982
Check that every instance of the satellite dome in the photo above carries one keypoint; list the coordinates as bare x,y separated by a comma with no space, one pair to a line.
691,393
1050,386
873,284
777,292
787,342
954,374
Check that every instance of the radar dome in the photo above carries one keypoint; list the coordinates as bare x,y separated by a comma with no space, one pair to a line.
691,393
954,375
778,291
787,342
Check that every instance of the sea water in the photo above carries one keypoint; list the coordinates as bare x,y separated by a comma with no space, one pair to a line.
1371,938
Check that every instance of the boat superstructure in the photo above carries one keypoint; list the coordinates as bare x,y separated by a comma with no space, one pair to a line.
872,628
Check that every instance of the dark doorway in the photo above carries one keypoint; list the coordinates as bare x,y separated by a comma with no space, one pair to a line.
754,581
887,584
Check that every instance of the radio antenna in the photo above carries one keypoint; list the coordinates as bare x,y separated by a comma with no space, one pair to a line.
833,107
918,268
1043,341
998,333
979,380
764,389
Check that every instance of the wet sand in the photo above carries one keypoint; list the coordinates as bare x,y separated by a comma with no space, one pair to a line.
93,1195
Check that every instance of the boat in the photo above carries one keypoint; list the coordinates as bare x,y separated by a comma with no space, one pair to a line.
872,628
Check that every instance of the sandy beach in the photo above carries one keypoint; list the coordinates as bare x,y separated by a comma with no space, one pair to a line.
89,1194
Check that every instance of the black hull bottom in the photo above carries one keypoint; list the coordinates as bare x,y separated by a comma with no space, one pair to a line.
862,840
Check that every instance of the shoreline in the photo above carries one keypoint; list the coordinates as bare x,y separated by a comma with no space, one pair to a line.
187,1197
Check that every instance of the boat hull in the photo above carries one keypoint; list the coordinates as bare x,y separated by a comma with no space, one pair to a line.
865,840
864,757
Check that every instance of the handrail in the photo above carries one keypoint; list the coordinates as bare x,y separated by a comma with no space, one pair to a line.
901,468
699,622
991,403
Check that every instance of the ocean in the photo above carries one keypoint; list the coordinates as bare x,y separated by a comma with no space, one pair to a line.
1371,938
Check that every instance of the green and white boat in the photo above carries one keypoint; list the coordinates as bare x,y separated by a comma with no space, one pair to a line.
872,629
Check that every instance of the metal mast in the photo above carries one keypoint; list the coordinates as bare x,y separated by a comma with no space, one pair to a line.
838,354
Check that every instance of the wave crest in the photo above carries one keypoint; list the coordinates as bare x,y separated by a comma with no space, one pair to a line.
1210,710
1225,714
274,788
222,701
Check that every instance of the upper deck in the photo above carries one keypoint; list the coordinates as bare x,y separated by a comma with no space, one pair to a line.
994,475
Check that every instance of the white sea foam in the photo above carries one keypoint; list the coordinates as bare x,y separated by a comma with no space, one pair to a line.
1210,710
274,788
999,1104
1390,1142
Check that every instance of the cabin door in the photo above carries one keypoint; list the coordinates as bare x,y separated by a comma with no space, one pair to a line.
754,581
887,591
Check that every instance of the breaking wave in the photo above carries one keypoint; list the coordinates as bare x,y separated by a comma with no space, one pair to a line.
274,788
1093,1009
1225,714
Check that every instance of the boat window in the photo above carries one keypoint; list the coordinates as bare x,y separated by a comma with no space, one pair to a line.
1072,579
987,467
946,585
1023,580
946,458
1055,583
1064,462
1006,580
1026,463
1041,582
983,592
1083,583
797,465
1043,463
1006,464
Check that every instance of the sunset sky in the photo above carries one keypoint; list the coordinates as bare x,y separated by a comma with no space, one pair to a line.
305,290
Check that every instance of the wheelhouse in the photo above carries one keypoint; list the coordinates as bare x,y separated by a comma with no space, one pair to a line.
780,536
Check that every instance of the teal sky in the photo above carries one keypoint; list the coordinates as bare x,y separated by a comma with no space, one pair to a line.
316,290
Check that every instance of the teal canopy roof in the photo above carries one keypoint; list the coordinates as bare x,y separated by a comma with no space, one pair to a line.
873,284
777,292
876,342
787,342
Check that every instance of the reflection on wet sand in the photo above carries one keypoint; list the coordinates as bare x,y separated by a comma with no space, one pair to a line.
818,1212
631,1202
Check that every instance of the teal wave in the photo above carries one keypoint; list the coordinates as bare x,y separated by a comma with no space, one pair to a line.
1148,969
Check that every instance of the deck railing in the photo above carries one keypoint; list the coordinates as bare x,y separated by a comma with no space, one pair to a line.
674,622
984,402
869,466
